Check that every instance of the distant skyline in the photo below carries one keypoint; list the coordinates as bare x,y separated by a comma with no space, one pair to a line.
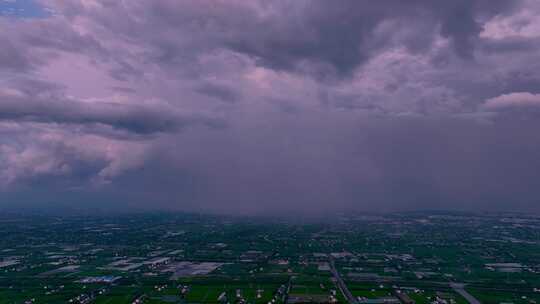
270,107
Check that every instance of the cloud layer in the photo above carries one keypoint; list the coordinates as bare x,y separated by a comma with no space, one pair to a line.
272,107
518,99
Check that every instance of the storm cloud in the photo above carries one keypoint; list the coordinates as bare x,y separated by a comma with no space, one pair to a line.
54,107
272,107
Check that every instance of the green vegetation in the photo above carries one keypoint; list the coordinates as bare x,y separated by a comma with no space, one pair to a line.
183,258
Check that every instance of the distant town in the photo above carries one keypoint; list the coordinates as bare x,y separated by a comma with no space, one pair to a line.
418,257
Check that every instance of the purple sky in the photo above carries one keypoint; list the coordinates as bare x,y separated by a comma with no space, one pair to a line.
272,106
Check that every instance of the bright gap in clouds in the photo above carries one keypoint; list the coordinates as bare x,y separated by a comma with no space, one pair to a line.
22,9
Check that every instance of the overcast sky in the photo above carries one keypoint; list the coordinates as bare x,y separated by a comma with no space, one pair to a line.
265,107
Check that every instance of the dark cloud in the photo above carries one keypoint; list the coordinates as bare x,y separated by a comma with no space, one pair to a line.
273,107
43,102
344,36
311,36
11,58
218,91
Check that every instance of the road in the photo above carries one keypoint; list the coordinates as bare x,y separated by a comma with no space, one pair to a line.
460,288
344,290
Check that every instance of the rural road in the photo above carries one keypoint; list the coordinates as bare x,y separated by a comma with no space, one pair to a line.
460,288
346,292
